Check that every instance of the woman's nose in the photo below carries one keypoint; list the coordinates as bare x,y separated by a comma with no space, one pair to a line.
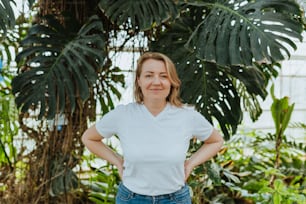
156,80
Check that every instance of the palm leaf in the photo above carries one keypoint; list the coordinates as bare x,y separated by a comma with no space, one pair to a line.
240,32
139,14
60,66
7,17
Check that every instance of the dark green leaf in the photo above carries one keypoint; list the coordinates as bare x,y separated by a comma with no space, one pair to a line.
7,17
140,15
255,31
63,67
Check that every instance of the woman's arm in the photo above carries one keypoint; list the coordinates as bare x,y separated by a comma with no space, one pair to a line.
93,141
208,150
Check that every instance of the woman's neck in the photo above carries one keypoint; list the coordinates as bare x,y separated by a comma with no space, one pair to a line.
155,107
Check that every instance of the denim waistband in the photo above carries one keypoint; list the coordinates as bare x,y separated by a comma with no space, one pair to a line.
163,196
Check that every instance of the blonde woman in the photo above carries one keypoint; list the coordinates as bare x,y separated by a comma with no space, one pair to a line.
154,133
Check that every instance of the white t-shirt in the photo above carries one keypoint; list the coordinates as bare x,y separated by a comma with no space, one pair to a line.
154,147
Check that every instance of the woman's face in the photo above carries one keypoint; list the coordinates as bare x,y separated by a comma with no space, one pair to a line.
154,81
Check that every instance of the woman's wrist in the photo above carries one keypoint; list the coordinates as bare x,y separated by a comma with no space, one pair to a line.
190,163
119,162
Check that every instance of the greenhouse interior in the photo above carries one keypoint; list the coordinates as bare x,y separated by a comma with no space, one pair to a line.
72,70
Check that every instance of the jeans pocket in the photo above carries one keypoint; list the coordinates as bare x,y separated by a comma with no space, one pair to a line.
123,194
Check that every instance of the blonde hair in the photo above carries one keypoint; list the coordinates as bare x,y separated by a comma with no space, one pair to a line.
173,97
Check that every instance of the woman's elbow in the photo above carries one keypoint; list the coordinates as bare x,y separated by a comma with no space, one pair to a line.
216,138
91,134
220,139
87,135
84,138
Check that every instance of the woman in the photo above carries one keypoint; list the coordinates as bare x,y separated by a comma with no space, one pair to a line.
154,133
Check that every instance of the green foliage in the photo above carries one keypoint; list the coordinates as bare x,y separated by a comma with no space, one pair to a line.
219,58
9,45
106,88
281,194
225,52
139,15
237,33
250,87
228,61
8,126
8,120
7,17
60,66
242,170
281,113
101,183
254,167
104,184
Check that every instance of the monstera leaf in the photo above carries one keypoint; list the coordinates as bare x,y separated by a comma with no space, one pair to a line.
240,32
139,14
216,90
58,66
7,17
209,87
205,85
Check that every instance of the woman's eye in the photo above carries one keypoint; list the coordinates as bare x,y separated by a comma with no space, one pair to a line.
148,76
164,76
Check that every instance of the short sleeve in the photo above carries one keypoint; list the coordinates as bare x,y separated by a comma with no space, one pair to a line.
108,125
202,128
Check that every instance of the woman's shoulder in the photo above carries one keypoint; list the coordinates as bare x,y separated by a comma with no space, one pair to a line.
184,109
187,108
127,107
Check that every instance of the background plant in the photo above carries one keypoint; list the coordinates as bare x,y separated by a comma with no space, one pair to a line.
255,167
8,130
102,183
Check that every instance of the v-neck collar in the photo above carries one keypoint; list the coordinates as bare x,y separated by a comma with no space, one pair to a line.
155,117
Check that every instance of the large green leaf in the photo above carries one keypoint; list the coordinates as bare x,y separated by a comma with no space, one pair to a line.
240,32
7,17
218,91
212,88
58,66
207,86
139,14
212,91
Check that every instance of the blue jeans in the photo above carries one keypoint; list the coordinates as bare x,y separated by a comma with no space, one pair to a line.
125,196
